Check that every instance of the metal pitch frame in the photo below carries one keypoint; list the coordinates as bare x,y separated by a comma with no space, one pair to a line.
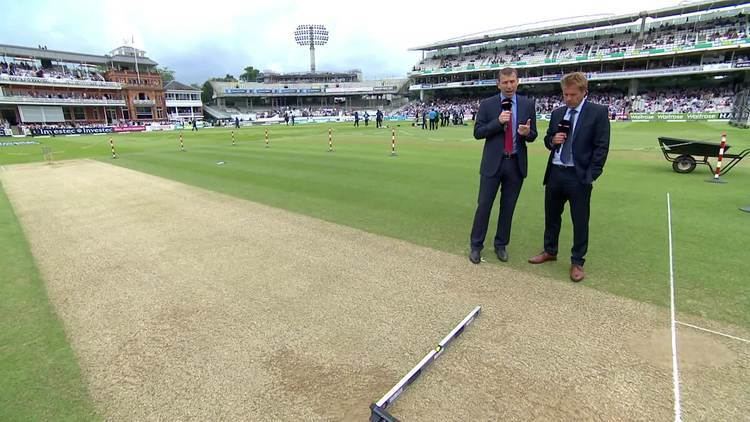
378,409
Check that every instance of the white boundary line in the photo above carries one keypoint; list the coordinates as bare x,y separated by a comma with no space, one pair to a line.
713,332
675,369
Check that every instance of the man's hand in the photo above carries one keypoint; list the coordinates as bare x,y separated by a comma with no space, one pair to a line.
559,138
524,130
505,117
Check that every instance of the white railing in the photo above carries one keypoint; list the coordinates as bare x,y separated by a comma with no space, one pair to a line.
61,101
184,103
184,115
33,80
590,75
144,102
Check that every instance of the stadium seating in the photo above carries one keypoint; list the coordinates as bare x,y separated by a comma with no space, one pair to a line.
677,101
15,91
23,69
660,37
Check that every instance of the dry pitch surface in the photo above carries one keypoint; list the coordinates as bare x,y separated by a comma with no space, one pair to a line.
184,304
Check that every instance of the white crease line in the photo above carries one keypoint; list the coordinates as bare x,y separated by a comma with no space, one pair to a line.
675,369
713,332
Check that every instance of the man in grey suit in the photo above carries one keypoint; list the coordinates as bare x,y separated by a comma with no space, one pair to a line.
506,122
578,140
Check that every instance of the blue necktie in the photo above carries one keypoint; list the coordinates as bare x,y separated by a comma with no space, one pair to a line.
566,155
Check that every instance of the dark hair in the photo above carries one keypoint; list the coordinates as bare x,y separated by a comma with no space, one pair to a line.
507,71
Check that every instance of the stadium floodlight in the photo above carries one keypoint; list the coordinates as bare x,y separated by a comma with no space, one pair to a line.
311,35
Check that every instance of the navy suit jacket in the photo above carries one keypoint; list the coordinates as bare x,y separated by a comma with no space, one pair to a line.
590,141
487,127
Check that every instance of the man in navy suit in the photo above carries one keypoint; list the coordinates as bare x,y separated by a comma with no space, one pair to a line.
504,162
576,160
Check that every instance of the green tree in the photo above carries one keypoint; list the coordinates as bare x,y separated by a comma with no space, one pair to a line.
166,73
250,75
207,92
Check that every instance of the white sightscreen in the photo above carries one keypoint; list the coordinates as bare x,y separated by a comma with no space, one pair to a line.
41,114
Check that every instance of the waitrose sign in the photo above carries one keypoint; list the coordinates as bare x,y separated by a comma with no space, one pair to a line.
679,116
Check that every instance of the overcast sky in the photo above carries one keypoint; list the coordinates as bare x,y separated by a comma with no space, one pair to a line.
203,39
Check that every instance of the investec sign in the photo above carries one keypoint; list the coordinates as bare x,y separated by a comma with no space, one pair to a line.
71,130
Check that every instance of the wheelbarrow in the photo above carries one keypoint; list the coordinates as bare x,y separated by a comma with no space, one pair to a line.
685,154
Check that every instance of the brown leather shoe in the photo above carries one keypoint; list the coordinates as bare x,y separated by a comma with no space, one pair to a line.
542,258
576,273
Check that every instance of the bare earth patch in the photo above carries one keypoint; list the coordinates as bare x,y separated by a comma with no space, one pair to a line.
185,304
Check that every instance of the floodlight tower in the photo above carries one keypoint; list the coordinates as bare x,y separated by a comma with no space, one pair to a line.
311,35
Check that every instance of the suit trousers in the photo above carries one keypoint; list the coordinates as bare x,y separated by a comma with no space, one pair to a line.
509,177
562,186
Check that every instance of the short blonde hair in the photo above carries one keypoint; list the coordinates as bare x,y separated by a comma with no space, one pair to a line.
575,79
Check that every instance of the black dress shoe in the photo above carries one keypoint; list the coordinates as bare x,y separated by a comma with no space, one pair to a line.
475,257
502,254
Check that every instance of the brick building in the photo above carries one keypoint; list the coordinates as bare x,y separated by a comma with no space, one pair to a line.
45,87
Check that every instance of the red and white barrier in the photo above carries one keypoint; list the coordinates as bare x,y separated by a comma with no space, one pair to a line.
393,142
721,155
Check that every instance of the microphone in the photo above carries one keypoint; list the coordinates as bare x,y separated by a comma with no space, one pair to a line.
563,127
506,104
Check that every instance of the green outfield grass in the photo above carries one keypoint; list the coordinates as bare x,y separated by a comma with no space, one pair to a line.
427,195
39,373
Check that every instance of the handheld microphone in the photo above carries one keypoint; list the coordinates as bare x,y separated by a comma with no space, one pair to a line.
506,104
563,127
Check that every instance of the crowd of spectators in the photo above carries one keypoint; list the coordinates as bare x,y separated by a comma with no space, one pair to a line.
663,35
57,94
442,112
661,101
23,68
620,104
688,33
325,111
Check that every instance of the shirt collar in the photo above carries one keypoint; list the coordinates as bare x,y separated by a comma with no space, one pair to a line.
513,98
580,106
